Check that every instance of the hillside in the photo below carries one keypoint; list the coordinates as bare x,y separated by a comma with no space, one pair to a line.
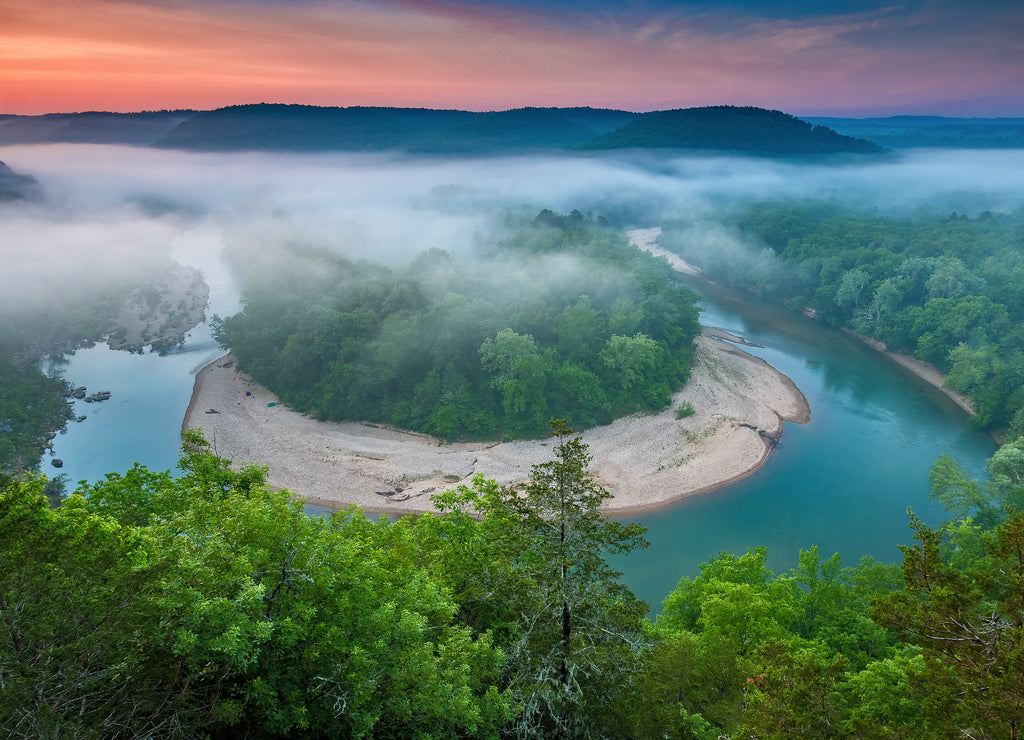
899,132
721,127
311,128
138,129
417,130
278,127
308,128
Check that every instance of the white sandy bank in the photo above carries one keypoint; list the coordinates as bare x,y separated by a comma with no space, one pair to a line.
644,460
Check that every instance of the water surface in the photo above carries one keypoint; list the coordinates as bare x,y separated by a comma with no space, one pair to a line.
843,481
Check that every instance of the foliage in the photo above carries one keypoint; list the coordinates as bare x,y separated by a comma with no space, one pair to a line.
573,638
206,605
742,650
152,606
970,624
562,318
946,290
33,406
684,410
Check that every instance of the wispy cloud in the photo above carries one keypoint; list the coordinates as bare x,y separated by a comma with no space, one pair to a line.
640,55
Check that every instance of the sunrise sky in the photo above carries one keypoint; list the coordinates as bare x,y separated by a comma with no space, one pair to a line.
945,57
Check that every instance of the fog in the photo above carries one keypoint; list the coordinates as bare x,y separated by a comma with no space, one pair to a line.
111,212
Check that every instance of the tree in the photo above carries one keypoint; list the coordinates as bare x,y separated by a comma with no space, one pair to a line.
851,288
74,593
952,279
631,359
578,639
970,624
501,354
208,604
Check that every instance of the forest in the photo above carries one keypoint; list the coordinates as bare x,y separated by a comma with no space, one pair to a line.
948,290
207,605
557,317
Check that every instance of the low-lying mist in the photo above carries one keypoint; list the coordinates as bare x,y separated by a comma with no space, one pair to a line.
117,212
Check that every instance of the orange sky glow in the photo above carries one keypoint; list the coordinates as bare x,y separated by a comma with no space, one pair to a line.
77,55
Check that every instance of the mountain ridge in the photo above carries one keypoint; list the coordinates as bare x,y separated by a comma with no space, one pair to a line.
292,127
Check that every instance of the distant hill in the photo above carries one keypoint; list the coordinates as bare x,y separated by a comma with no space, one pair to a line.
298,128
14,186
311,128
265,126
139,129
723,127
900,132
525,129
418,130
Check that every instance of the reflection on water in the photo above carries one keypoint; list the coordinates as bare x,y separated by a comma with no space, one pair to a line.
149,394
142,420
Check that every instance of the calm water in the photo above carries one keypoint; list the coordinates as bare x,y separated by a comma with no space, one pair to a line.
149,394
142,420
843,481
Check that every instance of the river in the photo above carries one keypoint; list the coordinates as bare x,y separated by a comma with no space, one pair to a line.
149,393
844,481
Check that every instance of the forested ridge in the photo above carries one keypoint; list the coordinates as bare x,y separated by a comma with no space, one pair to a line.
207,605
731,128
559,317
274,126
947,289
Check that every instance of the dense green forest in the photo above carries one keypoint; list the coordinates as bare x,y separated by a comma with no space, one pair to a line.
560,317
207,605
948,290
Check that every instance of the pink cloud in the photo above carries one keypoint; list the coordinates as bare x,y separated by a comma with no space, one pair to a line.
131,56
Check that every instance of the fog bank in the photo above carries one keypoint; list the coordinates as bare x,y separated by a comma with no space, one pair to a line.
117,211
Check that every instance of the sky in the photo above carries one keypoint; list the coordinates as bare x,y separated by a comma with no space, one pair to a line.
835,57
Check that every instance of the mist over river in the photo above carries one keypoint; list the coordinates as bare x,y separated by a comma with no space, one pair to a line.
843,481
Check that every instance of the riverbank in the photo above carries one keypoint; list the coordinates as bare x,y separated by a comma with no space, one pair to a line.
645,461
646,239
928,373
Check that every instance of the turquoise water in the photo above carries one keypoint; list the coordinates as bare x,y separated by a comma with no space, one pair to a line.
844,481
149,393
142,420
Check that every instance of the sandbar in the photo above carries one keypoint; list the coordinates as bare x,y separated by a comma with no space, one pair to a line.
646,460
